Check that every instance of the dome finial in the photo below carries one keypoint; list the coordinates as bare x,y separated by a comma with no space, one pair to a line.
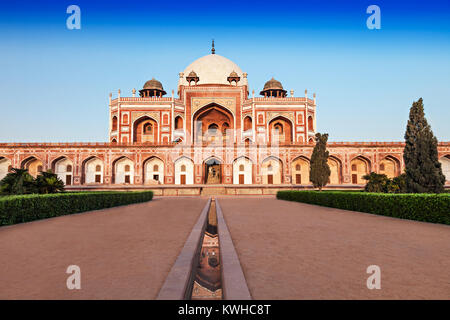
213,51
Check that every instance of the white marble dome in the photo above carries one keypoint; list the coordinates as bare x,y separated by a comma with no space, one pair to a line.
212,69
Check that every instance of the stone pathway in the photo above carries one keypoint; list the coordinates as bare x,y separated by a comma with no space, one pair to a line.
123,252
291,250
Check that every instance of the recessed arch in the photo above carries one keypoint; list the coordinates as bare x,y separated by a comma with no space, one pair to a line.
359,167
248,123
390,166
216,114
33,164
153,170
123,170
242,170
63,168
179,123
212,170
114,123
445,164
280,130
5,166
184,170
300,167
89,170
335,165
310,123
146,130
272,170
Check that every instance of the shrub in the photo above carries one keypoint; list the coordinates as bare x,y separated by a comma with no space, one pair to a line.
23,208
422,207
376,182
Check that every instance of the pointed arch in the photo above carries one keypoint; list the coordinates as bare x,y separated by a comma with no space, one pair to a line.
272,170
242,170
153,170
5,166
281,130
217,114
92,170
359,167
300,167
184,170
335,165
145,130
390,166
123,170
33,164
445,165
63,167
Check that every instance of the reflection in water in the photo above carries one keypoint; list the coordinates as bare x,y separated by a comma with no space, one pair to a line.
207,280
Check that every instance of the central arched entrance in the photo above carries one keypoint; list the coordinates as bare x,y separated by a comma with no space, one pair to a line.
212,171
213,124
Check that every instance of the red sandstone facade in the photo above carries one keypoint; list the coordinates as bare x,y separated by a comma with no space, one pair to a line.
212,133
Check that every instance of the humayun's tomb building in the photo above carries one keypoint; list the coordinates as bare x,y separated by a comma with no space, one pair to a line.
214,135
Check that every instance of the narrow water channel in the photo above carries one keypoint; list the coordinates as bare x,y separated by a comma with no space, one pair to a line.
207,281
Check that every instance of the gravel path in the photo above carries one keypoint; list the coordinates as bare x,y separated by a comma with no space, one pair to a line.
291,250
124,252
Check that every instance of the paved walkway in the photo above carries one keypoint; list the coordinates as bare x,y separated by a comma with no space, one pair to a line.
124,252
291,250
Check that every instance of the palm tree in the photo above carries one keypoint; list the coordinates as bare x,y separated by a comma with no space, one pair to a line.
48,182
19,181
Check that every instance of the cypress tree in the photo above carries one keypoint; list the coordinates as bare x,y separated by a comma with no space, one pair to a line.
319,172
423,169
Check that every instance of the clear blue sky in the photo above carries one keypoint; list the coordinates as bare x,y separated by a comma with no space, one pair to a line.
54,82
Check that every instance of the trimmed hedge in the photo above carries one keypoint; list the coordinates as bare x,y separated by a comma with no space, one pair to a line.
422,207
23,208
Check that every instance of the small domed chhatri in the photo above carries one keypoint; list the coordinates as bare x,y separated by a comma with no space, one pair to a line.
273,88
152,88
233,77
192,77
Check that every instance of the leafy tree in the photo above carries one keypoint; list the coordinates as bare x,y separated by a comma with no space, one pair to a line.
397,184
48,182
19,181
376,182
423,170
319,172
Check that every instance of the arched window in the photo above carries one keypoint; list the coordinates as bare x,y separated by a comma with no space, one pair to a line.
166,118
148,128
241,167
39,168
278,128
183,168
114,124
382,167
310,124
125,118
353,167
269,167
69,168
98,168
298,167
300,119
247,123
127,168
178,123
155,167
